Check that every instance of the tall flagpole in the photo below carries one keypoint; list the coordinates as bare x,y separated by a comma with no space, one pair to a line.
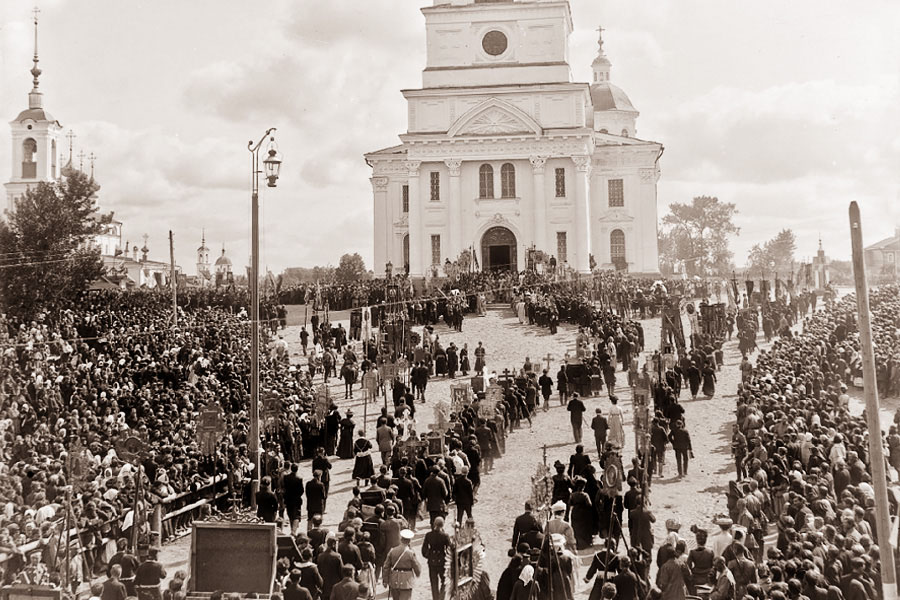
873,420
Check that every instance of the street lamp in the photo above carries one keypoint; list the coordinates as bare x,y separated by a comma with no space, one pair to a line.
272,165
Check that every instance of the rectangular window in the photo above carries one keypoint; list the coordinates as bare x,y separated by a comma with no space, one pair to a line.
404,198
561,247
560,183
435,249
616,193
435,186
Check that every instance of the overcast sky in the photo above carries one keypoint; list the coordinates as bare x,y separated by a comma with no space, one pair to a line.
790,110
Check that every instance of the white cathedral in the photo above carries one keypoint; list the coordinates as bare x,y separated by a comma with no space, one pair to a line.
504,152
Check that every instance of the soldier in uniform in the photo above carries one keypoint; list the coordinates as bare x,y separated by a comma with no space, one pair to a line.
401,568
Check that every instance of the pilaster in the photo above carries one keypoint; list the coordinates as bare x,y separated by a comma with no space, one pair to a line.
416,222
539,207
454,209
582,220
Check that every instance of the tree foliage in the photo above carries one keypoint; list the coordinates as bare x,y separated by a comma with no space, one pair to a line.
351,268
46,244
775,256
696,235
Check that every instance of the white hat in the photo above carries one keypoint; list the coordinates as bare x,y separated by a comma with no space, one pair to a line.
407,534
559,506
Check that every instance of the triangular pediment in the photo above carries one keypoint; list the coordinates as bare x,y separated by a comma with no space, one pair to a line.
495,117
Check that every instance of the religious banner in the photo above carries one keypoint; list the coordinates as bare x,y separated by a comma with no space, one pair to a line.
460,396
466,567
441,416
78,465
411,448
435,444
641,420
370,384
130,449
322,404
477,383
541,492
210,427
492,397
366,323
271,407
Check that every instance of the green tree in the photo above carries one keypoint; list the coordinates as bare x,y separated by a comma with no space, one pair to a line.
776,256
351,268
698,234
47,244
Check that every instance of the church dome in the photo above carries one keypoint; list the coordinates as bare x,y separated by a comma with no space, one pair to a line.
35,114
223,260
606,96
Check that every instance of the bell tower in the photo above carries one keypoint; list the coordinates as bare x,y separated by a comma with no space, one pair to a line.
35,140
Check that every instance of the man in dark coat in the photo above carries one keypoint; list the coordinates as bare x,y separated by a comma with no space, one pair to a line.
266,502
681,443
346,588
294,590
546,383
349,551
330,565
576,410
526,524
600,426
434,549
436,494
463,494
293,497
315,495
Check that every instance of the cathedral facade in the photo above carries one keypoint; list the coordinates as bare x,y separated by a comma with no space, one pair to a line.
505,154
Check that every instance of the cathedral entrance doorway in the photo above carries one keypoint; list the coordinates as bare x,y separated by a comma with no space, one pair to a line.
498,250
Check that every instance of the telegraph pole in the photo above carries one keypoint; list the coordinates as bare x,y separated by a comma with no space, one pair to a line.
173,280
873,420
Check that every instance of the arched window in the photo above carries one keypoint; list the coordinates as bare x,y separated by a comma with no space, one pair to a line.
29,164
406,253
486,181
617,246
624,133
507,181
53,157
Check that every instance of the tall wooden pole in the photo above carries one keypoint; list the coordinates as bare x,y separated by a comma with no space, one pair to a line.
173,281
873,421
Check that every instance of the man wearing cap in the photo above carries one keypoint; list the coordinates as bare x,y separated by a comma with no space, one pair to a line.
525,526
463,494
149,575
576,410
434,549
401,568
600,426
557,524
266,501
722,538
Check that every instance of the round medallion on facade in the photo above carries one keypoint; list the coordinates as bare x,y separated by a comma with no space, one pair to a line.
494,42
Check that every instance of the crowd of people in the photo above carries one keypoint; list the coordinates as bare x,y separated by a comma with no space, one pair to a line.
75,382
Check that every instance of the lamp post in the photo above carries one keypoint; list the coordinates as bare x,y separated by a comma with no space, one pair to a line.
272,164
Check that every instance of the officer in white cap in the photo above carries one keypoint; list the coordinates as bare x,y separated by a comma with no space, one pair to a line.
558,524
401,568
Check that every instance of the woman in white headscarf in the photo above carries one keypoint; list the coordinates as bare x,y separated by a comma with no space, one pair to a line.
526,588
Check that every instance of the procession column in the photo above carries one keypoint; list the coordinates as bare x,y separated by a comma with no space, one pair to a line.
540,206
383,253
454,212
582,213
416,265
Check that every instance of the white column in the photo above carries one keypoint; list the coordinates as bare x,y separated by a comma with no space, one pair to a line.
582,213
454,210
384,240
540,204
416,260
